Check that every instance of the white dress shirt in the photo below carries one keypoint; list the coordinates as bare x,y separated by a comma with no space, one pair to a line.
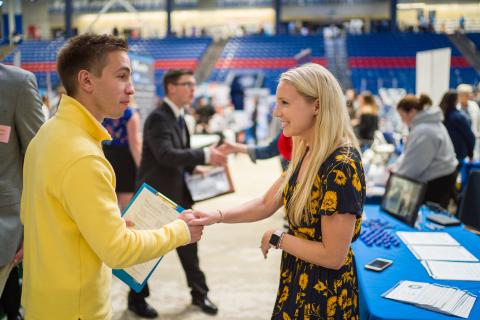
180,112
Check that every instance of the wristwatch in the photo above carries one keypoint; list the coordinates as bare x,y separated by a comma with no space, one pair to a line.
275,239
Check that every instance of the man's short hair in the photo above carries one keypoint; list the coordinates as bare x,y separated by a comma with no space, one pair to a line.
85,52
172,76
464,88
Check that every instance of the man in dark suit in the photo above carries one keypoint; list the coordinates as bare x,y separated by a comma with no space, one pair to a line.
166,157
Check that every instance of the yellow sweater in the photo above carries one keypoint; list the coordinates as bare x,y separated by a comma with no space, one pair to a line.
73,230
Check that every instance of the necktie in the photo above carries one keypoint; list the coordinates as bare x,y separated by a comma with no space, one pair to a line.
183,129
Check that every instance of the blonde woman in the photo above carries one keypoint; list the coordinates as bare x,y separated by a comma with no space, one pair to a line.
323,191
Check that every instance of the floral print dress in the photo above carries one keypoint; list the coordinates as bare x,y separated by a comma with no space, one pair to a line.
307,291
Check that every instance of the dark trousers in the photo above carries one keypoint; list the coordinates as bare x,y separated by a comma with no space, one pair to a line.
195,277
442,189
12,293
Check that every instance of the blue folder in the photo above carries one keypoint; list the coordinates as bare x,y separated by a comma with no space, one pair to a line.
122,274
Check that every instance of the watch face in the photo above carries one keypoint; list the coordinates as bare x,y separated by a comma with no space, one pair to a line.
274,239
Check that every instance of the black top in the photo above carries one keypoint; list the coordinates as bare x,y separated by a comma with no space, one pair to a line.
367,126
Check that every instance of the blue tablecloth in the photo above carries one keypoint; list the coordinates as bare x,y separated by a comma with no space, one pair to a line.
405,267
465,171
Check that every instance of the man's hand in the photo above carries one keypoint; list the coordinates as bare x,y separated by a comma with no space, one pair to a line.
228,147
217,158
200,170
205,218
196,231
187,215
18,256
129,223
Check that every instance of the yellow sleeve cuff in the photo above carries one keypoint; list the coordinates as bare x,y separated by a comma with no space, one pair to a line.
181,228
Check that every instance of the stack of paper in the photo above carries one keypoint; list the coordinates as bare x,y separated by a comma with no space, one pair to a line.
444,253
448,270
442,256
434,297
427,238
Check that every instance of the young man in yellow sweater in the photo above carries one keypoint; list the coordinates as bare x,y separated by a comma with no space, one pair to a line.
73,230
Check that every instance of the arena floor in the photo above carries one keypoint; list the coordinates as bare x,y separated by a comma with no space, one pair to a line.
241,282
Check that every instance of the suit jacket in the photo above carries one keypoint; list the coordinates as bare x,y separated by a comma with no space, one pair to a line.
165,158
20,115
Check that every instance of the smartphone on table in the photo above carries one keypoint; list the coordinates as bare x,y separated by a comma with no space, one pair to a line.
378,264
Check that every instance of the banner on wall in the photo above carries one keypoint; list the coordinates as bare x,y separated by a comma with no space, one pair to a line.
433,73
143,76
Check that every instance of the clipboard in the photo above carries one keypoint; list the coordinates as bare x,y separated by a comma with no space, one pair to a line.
213,183
123,274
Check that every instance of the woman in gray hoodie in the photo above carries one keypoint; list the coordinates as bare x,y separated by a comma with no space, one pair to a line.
429,155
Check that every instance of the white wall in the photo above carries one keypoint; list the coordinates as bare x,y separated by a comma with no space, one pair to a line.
433,73
36,13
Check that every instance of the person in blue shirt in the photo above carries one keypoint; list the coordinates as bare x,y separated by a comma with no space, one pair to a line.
458,128
124,152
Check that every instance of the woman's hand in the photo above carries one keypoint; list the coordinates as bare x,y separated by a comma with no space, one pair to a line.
205,218
265,245
228,147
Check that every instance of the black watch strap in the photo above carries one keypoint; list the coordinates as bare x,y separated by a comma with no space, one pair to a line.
275,239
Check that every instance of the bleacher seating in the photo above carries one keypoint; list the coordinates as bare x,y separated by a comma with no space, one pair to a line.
171,53
39,56
388,60
475,38
271,55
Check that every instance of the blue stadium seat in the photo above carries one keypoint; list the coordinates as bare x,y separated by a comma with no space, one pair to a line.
39,55
388,60
270,54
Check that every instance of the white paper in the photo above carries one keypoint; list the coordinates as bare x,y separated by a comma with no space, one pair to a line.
214,182
427,238
447,270
433,297
464,310
140,271
375,191
424,264
148,211
407,291
446,253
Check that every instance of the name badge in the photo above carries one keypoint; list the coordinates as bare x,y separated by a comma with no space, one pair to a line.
5,133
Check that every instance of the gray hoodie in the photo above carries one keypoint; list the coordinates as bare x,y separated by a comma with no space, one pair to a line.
429,152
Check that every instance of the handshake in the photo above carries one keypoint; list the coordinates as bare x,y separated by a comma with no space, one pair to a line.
218,154
196,220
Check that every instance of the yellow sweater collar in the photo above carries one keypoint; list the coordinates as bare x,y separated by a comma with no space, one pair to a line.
72,110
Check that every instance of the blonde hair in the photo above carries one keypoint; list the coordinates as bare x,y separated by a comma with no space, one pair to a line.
464,88
332,130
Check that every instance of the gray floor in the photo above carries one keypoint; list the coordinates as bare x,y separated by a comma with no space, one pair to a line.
241,282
